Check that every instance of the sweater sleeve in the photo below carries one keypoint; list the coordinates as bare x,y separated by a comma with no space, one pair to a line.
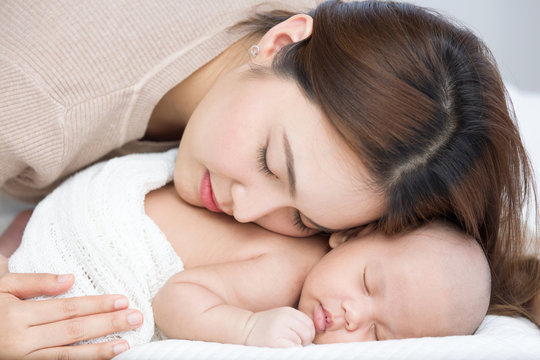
31,136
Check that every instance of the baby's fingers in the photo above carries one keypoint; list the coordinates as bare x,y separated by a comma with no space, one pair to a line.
83,328
99,351
304,328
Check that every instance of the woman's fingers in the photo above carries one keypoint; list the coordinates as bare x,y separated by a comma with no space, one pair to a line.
26,286
99,351
50,324
46,311
83,328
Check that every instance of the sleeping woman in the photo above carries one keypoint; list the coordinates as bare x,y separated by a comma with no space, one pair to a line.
120,227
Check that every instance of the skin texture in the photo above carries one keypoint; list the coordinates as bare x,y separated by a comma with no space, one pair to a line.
430,282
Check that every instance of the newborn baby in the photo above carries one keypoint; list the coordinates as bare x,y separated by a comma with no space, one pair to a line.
433,281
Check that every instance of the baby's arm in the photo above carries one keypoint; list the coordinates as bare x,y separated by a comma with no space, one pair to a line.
229,303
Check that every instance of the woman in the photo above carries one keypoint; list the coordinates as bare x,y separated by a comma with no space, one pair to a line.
355,113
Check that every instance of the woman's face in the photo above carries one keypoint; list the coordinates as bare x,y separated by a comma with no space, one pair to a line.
257,149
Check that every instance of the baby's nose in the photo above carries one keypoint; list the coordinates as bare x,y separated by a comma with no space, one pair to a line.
356,315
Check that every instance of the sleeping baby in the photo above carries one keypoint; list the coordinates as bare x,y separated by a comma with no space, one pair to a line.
120,227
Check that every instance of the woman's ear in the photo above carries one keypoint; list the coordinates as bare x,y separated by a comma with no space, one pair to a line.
294,29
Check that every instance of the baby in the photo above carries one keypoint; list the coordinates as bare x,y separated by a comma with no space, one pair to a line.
433,281
429,282
120,227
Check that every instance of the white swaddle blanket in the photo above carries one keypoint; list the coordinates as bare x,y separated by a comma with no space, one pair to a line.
94,226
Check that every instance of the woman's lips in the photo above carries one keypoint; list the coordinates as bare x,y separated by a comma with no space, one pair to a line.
207,194
321,319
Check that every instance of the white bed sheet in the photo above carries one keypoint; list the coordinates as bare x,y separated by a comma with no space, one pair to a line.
498,338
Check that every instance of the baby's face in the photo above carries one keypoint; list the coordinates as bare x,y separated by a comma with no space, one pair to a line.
376,288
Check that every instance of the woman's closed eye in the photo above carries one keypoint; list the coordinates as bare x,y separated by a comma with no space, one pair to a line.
265,169
263,162
299,223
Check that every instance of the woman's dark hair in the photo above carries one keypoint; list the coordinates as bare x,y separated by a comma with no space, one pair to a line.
421,102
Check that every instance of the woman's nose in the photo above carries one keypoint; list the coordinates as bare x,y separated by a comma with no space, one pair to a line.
251,204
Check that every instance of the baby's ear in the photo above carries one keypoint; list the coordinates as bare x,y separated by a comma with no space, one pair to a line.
337,239
342,237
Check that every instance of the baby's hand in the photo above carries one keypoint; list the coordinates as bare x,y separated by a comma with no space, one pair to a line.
280,327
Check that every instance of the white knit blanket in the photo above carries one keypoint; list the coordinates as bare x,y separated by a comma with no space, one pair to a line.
94,226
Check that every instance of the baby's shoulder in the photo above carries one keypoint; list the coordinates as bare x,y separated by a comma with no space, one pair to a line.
297,254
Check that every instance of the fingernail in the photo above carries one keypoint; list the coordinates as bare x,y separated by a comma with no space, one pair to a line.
134,318
121,303
63,278
118,348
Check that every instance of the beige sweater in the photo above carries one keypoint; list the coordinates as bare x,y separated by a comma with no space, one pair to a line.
79,79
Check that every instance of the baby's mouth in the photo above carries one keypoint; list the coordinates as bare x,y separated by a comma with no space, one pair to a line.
322,319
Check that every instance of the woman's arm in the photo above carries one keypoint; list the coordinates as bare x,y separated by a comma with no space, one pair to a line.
11,238
244,302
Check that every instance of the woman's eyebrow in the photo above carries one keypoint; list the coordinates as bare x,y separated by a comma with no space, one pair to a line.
290,165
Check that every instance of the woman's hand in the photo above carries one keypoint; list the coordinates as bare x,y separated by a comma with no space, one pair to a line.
39,329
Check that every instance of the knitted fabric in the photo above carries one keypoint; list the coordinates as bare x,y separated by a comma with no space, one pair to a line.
95,227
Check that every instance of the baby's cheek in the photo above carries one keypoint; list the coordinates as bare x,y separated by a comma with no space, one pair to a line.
337,336
327,337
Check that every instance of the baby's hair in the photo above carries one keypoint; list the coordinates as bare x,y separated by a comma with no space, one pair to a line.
466,275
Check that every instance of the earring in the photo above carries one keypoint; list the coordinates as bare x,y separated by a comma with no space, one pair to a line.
254,51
